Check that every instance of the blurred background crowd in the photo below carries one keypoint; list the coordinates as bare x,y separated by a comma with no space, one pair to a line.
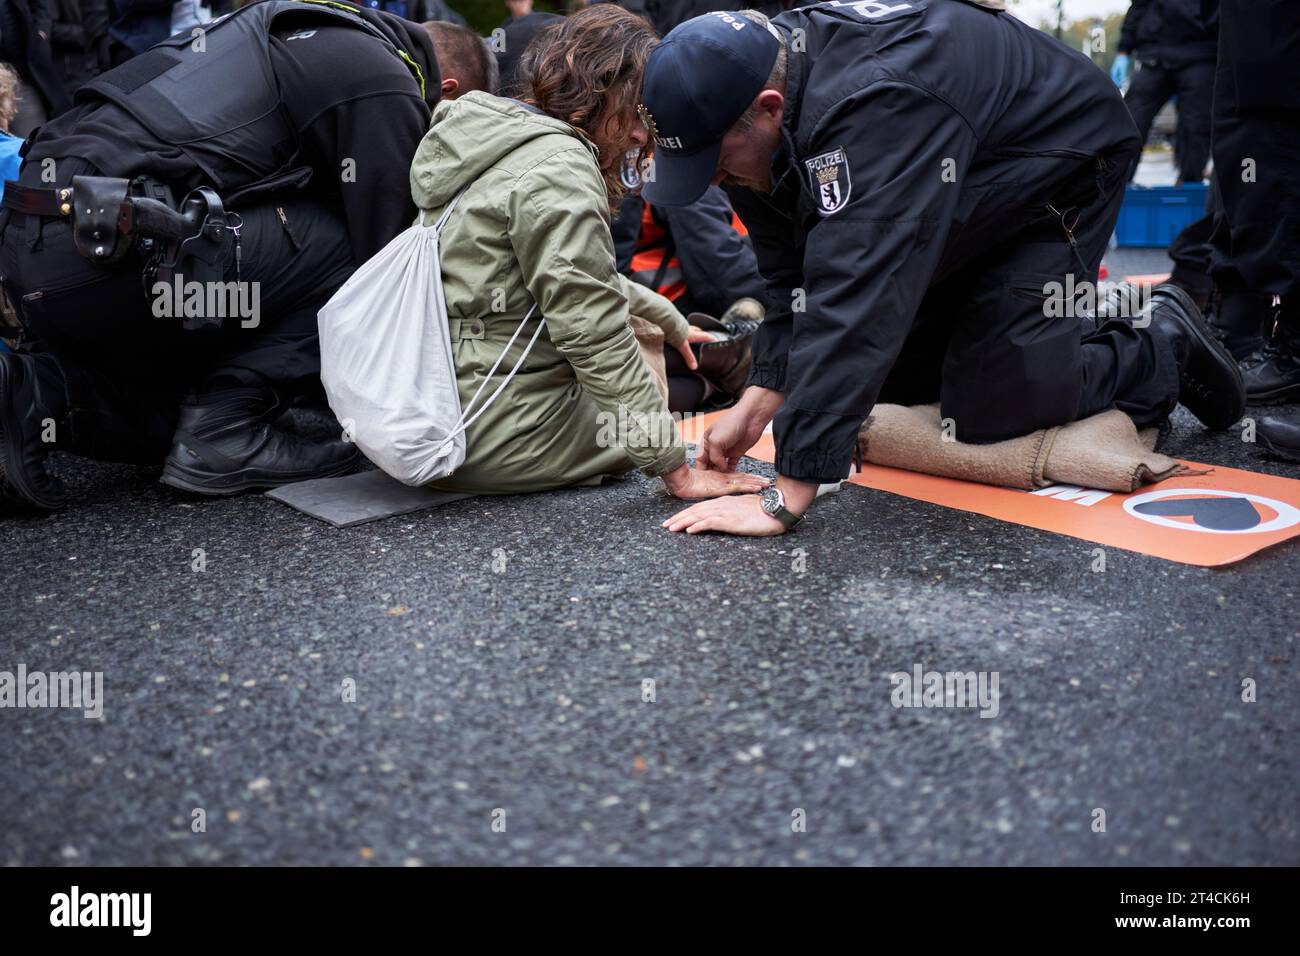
1161,53
53,46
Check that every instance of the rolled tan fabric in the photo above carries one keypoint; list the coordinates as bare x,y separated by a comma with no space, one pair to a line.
651,339
1104,452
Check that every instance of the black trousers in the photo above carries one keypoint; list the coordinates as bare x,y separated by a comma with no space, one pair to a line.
129,368
1153,85
1191,250
1004,356
1257,150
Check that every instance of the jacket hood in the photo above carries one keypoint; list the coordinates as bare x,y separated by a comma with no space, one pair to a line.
414,40
471,134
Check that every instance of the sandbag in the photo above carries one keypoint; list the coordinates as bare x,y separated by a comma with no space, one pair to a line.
1104,451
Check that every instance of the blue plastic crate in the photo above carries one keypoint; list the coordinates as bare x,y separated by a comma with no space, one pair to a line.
1153,215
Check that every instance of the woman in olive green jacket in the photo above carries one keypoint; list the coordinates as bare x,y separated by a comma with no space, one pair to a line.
532,226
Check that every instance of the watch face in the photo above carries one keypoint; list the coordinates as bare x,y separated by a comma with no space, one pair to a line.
771,500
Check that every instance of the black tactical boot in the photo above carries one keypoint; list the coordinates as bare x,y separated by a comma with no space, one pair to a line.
225,443
1243,321
1209,380
33,404
1280,435
1274,377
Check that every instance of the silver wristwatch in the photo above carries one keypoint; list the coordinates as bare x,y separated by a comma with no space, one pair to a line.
774,504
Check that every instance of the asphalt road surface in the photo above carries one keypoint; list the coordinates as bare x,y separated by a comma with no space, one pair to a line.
499,651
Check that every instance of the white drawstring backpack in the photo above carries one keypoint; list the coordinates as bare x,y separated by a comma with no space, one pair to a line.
386,360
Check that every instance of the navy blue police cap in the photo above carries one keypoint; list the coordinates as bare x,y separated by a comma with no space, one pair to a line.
698,82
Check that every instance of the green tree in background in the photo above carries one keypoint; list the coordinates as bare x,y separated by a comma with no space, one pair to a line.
484,16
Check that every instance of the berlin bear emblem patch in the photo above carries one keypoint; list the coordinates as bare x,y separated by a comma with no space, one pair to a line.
829,175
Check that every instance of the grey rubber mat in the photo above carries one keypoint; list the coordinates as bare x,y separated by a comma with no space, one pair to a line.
357,499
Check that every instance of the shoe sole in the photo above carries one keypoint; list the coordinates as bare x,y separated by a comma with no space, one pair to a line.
1278,396
11,476
1281,451
1196,324
177,476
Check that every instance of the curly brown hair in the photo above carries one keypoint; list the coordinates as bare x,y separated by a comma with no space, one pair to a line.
8,95
587,72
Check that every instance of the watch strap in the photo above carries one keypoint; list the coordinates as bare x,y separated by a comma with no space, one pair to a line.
787,517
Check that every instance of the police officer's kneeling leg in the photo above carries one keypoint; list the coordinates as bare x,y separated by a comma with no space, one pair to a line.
294,254
1021,358
1011,367
96,376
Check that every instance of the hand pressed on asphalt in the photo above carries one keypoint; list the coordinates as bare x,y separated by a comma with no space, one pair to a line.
692,483
743,515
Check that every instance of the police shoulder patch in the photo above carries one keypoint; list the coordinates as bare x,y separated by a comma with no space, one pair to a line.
629,172
828,174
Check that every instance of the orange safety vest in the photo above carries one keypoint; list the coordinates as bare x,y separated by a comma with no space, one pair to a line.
653,263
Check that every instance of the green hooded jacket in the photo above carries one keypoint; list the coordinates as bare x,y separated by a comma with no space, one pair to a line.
533,226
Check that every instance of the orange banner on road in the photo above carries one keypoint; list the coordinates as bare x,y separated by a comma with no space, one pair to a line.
1208,520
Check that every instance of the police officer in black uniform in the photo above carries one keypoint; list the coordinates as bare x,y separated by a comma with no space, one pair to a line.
1256,242
270,151
920,179
1174,43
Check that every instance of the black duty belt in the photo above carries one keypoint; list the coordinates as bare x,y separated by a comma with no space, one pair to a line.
112,218
108,215
35,201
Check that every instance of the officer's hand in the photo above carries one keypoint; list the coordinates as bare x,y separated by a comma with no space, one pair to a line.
1119,69
736,432
743,516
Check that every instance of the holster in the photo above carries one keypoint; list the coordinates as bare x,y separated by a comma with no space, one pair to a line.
96,207
199,256
112,217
